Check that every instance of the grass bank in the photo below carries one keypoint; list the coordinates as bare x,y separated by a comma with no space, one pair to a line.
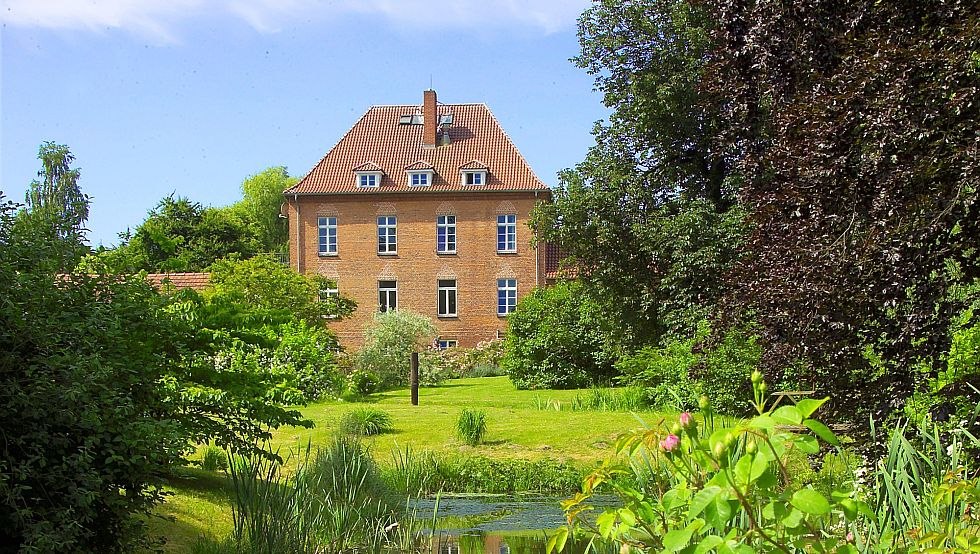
517,428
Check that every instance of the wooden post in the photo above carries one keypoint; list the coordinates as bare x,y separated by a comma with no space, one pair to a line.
413,378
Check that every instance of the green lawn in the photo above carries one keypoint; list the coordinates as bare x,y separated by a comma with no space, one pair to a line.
516,428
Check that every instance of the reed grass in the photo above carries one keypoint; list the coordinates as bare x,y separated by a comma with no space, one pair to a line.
365,422
596,399
471,426
335,501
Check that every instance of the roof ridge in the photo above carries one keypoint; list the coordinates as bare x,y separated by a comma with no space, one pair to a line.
420,105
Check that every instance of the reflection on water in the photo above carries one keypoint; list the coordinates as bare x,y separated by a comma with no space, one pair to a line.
499,525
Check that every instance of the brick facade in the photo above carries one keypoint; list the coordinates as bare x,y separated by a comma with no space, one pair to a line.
357,267
471,171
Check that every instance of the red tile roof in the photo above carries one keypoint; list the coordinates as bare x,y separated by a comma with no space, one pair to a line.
379,138
196,281
553,258
419,165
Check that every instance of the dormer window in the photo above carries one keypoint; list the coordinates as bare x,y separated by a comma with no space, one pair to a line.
420,174
474,177
473,173
368,175
419,178
367,180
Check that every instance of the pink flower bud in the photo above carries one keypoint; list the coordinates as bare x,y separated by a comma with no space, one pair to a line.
670,443
686,419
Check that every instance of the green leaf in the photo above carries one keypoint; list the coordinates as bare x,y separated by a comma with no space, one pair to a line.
807,444
742,470
701,500
676,539
787,415
793,519
605,522
708,544
762,422
810,501
809,405
556,542
627,516
718,512
822,431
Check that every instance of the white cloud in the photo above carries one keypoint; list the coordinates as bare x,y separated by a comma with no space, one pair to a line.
160,19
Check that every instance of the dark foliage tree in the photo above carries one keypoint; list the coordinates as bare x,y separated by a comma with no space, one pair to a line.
856,124
180,235
649,219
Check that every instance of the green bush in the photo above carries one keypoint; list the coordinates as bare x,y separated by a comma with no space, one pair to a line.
471,425
663,373
388,345
676,374
365,422
555,340
485,359
310,352
214,458
435,365
722,368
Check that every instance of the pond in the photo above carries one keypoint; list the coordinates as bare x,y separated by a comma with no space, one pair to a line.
499,524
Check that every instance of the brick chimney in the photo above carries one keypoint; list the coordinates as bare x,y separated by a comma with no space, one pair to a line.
429,122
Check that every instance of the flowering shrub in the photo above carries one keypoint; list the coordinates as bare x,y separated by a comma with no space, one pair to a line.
722,486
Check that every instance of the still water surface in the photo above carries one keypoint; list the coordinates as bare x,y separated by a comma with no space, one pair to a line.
499,525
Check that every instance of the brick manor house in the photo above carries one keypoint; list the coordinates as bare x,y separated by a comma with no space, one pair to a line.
423,208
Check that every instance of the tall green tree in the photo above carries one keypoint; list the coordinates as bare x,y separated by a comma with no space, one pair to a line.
57,201
260,207
649,219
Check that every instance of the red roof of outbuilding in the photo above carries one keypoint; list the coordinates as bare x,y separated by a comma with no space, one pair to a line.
379,138
196,281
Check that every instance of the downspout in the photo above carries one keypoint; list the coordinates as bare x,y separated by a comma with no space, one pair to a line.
298,250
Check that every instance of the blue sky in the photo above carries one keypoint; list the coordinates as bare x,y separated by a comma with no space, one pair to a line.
192,96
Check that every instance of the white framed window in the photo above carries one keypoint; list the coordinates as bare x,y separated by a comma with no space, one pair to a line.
387,295
506,296
474,177
446,234
507,233
420,178
368,179
443,344
330,290
327,236
447,297
387,234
